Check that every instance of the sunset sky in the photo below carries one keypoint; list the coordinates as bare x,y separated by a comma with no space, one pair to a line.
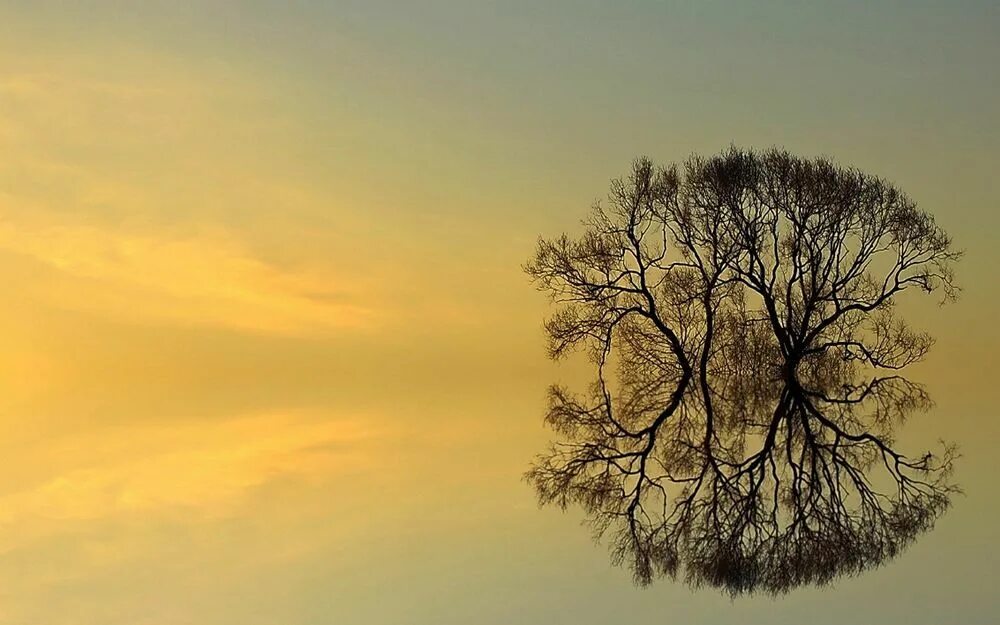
268,353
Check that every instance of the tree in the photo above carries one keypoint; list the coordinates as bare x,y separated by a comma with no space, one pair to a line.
740,312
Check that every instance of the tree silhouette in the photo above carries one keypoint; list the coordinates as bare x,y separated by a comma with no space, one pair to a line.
740,313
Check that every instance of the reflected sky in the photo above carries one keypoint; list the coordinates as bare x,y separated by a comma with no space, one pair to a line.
268,353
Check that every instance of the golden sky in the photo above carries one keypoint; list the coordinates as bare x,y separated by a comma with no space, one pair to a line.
268,353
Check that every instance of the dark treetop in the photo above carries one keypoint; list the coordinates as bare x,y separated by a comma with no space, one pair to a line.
739,311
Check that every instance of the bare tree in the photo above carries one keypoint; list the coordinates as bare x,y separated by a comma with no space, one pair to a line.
740,313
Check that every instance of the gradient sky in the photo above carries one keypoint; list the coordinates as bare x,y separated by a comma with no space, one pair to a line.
268,356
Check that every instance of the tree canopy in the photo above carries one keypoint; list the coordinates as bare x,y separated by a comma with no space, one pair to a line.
741,314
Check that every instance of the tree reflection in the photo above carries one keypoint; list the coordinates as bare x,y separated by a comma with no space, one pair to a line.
740,313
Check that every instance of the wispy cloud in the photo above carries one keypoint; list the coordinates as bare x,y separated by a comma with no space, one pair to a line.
142,469
206,280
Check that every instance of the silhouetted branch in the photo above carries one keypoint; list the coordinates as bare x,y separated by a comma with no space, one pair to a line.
745,303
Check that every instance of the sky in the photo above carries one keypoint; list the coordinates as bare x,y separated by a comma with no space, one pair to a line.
268,353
